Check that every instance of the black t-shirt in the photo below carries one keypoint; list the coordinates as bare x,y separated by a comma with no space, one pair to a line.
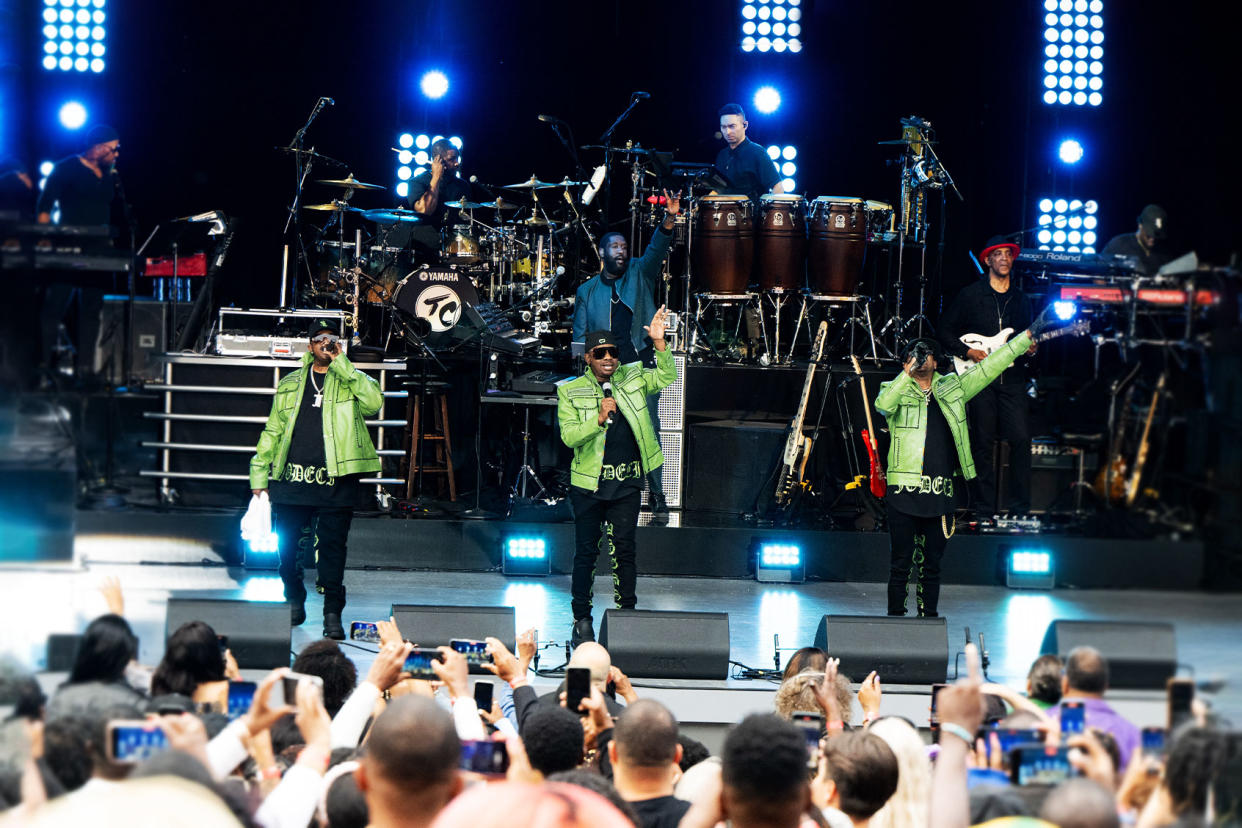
748,168
979,309
1127,244
304,481
452,188
622,469
84,197
941,478
661,812
621,320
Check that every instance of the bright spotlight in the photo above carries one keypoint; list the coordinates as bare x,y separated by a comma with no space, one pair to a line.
525,555
434,84
790,153
261,551
779,563
406,140
455,141
789,185
1070,151
72,115
1064,310
1030,569
45,168
767,100
422,141
403,189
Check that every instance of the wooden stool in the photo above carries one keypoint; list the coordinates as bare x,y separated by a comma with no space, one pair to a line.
433,392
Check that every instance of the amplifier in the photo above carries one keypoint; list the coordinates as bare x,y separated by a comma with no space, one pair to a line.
269,333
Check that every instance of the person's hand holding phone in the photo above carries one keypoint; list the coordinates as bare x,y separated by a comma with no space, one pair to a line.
962,704
231,671
1092,760
504,664
453,671
621,681
825,692
597,718
527,647
263,713
987,753
187,734
869,695
386,669
312,718
388,632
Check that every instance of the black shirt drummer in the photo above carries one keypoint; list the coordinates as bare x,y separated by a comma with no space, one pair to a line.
746,164
429,201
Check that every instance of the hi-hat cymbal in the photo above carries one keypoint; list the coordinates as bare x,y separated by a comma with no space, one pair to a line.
532,183
333,207
498,204
565,182
392,216
465,205
350,182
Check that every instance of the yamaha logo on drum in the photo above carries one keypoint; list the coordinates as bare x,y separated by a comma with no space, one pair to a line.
440,306
432,276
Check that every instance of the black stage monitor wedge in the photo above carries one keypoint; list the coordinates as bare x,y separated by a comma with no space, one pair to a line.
672,645
1140,654
62,651
434,626
901,650
259,633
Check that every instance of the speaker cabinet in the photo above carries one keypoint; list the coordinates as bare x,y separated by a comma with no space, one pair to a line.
1140,654
434,626
259,632
901,650
730,461
673,645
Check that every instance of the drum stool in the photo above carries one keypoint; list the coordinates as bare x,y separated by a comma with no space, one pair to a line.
423,393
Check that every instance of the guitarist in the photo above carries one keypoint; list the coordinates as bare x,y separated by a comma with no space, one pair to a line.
928,457
1001,410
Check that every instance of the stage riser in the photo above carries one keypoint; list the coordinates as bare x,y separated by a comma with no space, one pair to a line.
862,557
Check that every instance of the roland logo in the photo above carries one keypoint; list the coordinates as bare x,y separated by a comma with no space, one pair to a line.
1055,256
668,663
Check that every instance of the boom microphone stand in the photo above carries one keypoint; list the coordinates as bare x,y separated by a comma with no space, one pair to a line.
606,140
302,173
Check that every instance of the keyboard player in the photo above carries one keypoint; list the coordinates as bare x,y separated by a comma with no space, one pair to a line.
1144,244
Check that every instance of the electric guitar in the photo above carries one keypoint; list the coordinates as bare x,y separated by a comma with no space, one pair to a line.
988,344
798,445
879,484
1140,457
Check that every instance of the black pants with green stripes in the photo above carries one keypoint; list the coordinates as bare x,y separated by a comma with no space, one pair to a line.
916,546
590,513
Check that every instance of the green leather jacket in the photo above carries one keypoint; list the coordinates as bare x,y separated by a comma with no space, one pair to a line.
902,403
577,412
348,396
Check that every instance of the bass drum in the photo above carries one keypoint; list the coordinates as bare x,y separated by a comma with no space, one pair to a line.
782,242
838,242
724,245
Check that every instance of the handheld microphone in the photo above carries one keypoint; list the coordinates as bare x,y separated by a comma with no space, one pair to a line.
607,386
642,96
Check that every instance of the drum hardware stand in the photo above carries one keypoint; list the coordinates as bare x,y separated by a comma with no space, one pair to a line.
706,300
294,216
526,471
778,299
606,140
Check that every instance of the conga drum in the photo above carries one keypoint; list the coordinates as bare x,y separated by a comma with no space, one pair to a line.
838,242
781,248
724,245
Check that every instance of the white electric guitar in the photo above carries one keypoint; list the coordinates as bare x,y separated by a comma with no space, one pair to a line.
988,344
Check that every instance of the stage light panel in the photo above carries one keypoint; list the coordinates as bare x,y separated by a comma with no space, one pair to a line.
455,141
403,189
789,168
763,44
1030,569
422,157
403,173
1070,222
405,140
778,44
1068,31
434,84
767,99
764,28
779,563
525,555
788,185
419,171
76,34
72,115
405,157
261,552
748,44
1070,151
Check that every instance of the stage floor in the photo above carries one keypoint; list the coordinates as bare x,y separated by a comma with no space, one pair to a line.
47,600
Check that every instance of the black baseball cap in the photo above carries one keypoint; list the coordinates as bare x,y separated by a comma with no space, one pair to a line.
597,338
326,324
1154,218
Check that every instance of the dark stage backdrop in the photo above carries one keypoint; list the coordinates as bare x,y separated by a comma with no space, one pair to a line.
203,92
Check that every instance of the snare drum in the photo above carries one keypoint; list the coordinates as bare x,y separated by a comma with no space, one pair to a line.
781,248
724,244
838,242
460,245
879,219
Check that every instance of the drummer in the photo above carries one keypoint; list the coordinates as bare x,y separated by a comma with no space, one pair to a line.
429,191
745,163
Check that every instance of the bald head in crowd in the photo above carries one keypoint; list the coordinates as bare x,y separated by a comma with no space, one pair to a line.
409,771
1086,673
595,658
1080,803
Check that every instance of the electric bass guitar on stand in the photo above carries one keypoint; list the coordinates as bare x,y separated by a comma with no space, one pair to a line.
878,482
797,445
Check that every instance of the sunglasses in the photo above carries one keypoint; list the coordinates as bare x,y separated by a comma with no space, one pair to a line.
607,351
326,337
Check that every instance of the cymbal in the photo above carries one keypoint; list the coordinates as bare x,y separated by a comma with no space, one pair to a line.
498,204
392,216
350,182
332,206
565,182
537,221
899,141
465,205
633,150
532,183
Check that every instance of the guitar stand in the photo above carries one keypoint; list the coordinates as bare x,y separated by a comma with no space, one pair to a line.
527,470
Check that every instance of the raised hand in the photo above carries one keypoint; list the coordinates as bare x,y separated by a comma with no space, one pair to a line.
659,322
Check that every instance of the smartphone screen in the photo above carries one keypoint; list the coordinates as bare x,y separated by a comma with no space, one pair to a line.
475,651
812,727
483,694
1011,738
1153,741
364,631
1039,766
285,691
131,742
1073,717
418,663
241,696
485,757
1181,693
577,688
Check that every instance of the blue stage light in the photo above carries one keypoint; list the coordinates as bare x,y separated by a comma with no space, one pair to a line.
46,167
405,140
525,555
72,115
403,189
1073,29
1071,151
767,98
1029,569
1064,310
779,563
434,84
261,552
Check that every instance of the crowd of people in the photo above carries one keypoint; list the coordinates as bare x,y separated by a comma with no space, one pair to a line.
327,749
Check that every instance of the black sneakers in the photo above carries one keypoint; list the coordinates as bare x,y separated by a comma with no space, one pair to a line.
583,631
332,626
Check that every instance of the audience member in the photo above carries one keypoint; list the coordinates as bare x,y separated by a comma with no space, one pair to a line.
1043,682
692,752
1086,681
97,679
66,752
857,775
1080,803
797,693
324,658
645,754
409,770
554,739
343,805
595,783
908,804
553,805
193,664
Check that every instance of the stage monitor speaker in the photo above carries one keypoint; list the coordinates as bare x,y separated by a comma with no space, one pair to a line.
435,626
901,650
729,465
1140,654
673,645
62,651
259,633
148,335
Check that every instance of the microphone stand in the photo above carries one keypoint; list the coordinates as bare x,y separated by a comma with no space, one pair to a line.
606,140
127,354
295,211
